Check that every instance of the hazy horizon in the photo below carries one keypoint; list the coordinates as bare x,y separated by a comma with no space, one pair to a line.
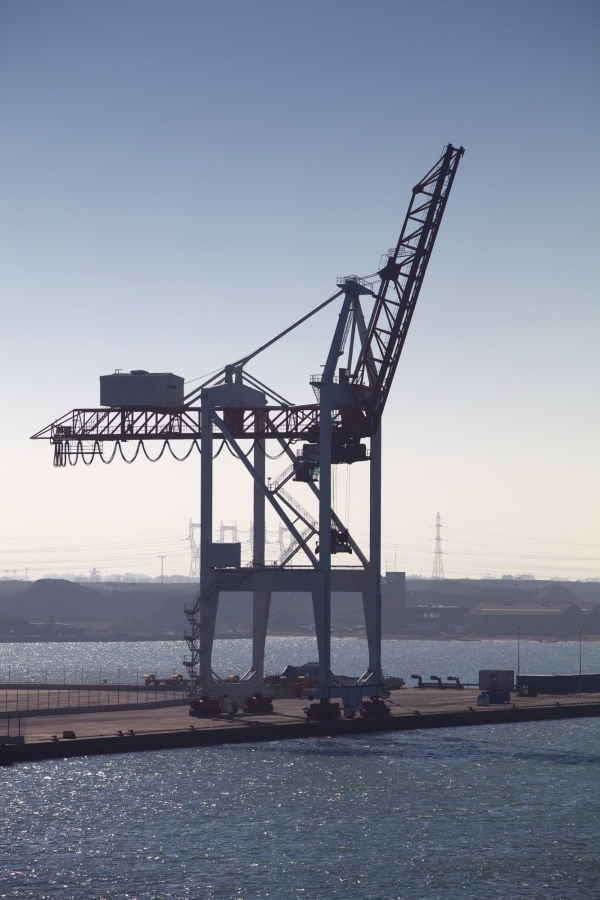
182,181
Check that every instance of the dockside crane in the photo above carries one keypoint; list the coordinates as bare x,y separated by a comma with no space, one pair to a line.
233,407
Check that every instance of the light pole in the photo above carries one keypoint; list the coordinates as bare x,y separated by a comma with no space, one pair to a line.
580,662
162,565
518,652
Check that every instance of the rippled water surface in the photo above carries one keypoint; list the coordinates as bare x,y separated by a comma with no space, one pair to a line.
125,660
491,812
477,814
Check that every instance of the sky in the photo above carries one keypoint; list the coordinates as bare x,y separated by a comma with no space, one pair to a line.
182,180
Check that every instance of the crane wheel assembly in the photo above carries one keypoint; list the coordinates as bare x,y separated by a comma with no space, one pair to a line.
205,707
374,707
323,711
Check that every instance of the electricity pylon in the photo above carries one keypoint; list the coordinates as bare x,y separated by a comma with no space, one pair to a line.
438,561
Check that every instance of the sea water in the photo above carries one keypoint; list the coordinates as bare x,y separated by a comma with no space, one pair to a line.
505,811
124,661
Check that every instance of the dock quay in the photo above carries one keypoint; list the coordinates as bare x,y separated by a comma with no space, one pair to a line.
169,727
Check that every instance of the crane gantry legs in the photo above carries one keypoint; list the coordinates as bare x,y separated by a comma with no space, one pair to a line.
221,568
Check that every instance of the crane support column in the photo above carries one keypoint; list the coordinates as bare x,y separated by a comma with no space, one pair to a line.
261,600
208,599
322,590
372,594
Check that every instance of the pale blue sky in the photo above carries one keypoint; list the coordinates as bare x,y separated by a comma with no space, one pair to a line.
180,180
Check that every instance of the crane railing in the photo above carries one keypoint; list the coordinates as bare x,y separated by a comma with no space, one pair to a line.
294,546
298,509
283,478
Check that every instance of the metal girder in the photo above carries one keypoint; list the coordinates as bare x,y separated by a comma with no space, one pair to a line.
96,425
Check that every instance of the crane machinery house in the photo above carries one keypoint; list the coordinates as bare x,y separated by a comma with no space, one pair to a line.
139,388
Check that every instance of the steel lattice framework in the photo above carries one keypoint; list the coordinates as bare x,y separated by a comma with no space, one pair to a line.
82,432
401,280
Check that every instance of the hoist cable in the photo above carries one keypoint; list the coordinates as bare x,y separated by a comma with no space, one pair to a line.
135,455
107,462
187,455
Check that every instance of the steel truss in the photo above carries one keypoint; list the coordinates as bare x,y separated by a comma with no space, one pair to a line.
82,432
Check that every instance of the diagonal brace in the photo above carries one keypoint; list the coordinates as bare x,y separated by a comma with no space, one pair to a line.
336,520
287,522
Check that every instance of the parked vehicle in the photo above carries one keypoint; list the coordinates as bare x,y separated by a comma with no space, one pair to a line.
175,680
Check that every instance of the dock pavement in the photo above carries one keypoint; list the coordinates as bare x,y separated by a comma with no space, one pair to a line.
169,727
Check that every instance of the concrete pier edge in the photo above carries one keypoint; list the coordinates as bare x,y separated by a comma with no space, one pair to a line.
244,732
14,715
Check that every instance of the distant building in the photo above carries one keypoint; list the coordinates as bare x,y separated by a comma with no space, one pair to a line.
593,619
433,619
539,618
393,602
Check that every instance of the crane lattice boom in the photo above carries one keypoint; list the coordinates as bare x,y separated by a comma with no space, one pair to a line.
401,280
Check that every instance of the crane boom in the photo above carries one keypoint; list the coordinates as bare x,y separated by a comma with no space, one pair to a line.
401,280
82,432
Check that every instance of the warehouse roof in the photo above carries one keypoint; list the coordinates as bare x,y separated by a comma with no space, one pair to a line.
541,608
